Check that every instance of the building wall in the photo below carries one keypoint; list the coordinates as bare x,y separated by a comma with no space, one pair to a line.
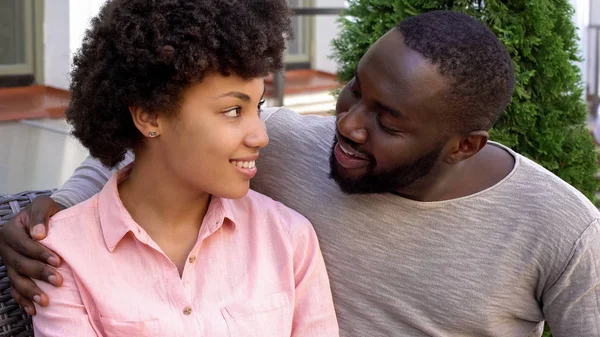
57,56
591,41
581,20
325,30
65,23
82,11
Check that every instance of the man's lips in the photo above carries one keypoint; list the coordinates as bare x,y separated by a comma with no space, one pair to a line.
352,152
349,158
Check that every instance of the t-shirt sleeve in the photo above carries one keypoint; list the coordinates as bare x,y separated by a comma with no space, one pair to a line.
571,304
87,180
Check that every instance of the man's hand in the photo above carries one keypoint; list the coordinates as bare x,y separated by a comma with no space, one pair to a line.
25,258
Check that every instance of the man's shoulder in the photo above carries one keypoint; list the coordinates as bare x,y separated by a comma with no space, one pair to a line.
282,117
539,194
538,179
266,113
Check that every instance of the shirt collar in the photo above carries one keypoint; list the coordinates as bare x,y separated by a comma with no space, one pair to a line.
116,221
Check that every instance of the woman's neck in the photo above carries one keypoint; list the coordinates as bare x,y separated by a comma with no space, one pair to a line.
158,201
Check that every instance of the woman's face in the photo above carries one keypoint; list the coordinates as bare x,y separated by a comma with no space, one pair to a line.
213,142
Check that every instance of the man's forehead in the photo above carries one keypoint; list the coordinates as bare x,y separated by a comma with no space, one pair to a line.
403,69
396,75
391,55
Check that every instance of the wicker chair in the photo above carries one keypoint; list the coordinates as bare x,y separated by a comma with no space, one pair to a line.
14,322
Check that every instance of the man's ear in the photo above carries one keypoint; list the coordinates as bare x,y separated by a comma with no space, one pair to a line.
466,146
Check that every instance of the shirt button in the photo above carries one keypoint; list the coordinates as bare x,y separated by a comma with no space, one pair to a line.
187,311
192,259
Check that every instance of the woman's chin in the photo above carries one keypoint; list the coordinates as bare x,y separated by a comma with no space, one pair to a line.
234,193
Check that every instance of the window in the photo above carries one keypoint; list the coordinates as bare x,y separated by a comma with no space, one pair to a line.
299,49
17,42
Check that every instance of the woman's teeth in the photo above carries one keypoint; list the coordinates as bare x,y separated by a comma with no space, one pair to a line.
244,164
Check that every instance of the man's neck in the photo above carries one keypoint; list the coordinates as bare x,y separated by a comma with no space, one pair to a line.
480,172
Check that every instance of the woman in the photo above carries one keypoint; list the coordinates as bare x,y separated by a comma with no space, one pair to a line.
176,244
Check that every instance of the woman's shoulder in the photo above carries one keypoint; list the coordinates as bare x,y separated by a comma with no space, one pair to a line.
256,199
264,207
73,225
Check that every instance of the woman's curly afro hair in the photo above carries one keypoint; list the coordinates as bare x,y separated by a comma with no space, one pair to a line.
145,53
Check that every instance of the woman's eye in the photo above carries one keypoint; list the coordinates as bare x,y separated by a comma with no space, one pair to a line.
234,112
260,105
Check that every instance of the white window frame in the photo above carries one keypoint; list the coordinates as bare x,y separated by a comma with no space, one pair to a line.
305,37
27,67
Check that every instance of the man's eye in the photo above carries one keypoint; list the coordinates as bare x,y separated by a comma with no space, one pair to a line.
355,91
385,128
234,112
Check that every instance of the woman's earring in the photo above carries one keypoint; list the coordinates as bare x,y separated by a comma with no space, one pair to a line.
152,134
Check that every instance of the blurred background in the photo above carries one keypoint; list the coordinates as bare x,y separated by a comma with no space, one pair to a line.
39,37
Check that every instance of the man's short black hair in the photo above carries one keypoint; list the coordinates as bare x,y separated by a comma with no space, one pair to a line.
145,53
472,58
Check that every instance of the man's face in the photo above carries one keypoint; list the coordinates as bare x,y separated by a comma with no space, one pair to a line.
389,136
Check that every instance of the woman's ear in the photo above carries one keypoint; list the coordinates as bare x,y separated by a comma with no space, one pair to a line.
145,122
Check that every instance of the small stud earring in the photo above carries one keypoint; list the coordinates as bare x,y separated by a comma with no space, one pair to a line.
152,134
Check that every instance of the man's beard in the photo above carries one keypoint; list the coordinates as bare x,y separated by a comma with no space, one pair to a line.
390,181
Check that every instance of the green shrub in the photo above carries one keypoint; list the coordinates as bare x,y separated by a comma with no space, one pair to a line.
546,120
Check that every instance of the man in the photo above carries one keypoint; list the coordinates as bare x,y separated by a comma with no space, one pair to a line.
426,228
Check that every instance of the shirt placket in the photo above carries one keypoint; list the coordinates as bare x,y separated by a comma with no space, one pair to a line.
192,318
179,289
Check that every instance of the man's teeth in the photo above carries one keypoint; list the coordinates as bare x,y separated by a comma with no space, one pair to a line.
352,154
346,151
244,164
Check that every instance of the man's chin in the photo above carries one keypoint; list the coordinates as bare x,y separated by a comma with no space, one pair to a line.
356,186
346,185
348,174
349,182
359,180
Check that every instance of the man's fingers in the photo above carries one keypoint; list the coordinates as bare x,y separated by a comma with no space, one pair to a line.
33,269
38,232
24,247
42,208
25,291
24,303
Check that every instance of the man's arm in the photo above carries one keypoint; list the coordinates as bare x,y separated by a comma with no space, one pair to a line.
572,304
24,257
87,180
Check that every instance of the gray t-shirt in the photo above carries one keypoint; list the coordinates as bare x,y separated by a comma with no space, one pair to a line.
495,263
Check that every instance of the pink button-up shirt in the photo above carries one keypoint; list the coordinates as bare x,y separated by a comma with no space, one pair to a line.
256,270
